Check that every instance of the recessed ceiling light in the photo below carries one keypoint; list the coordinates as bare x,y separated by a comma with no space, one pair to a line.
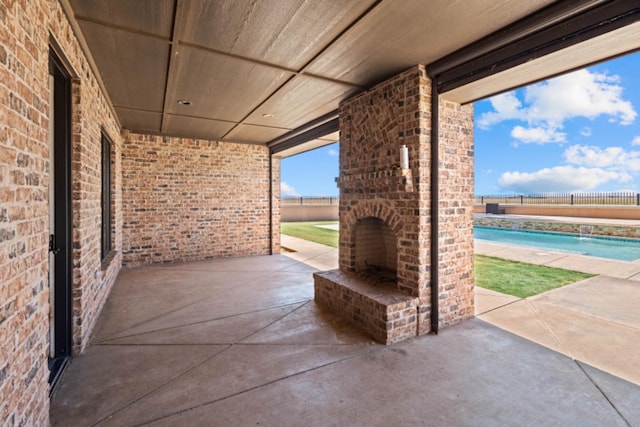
268,116
184,102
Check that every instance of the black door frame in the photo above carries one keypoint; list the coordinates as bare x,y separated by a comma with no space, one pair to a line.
61,238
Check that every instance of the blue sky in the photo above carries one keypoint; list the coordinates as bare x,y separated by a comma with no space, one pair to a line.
579,132
311,174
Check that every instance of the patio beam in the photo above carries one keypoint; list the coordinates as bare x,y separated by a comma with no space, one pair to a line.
315,129
553,28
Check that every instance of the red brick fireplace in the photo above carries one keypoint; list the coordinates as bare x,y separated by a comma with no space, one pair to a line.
383,284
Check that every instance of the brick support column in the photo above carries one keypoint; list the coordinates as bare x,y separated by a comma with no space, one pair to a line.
275,205
456,281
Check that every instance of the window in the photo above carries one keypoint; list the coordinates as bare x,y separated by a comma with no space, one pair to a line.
106,197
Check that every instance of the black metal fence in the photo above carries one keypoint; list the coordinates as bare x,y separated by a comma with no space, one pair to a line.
309,201
602,199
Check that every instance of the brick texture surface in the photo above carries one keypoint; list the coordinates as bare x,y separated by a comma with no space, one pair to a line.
387,315
188,200
455,240
25,29
373,127
184,199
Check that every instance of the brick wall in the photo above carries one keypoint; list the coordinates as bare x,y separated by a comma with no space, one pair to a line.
187,200
23,218
92,278
25,28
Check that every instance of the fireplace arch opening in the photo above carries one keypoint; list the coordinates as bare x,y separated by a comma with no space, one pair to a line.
376,252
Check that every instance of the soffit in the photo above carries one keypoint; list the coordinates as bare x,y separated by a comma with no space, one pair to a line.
237,61
311,145
614,43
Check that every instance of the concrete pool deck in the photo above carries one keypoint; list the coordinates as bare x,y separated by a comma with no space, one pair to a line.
596,320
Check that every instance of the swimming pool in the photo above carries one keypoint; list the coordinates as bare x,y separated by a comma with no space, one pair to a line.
603,247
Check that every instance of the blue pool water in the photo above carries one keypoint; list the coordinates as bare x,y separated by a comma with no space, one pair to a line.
603,247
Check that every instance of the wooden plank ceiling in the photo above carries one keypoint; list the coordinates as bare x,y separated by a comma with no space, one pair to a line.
253,70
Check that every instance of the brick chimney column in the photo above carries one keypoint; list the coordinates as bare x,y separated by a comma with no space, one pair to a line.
374,125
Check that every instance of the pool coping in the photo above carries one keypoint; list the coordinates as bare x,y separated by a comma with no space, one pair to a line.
626,229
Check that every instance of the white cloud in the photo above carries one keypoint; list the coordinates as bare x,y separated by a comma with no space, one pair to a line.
578,94
506,107
287,190
616,159
636,140
547,105
537,134
333,152
593,156
559,179
586,131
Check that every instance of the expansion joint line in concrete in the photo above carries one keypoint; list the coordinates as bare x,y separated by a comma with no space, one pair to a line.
207,359
271,323
548,328
277,380
499,307
106,341
166,383
615,408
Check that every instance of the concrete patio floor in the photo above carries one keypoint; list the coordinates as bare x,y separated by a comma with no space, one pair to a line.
236,342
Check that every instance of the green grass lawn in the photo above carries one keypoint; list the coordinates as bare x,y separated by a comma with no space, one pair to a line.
309,231
520,279
501,275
